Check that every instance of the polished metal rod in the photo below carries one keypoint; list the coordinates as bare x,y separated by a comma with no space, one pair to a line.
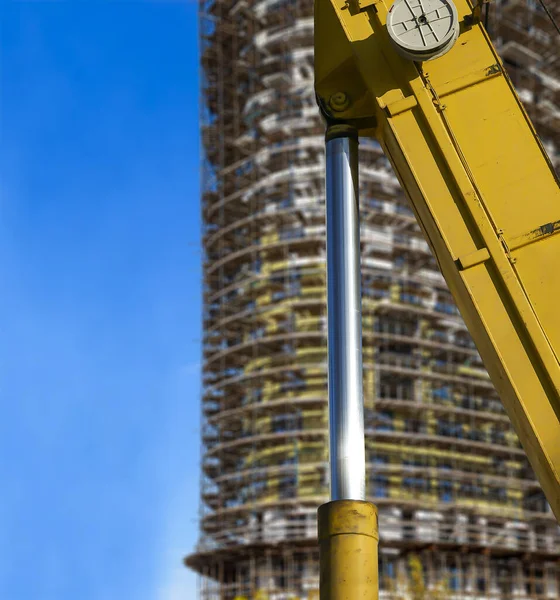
344,309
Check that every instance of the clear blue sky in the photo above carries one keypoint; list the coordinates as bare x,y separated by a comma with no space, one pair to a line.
99,299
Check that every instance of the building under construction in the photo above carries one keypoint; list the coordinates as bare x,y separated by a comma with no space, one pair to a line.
454,490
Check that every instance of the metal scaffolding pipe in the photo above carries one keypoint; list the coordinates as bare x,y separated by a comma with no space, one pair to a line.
344,313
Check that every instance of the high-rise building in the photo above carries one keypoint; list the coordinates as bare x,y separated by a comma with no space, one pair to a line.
453,487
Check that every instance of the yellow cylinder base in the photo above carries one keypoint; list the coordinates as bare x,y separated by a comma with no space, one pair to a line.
348,540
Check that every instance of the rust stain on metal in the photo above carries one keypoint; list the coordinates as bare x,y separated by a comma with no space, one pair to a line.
549,228
534,235
493,70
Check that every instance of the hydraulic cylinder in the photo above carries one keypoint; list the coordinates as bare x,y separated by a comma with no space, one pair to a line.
347,525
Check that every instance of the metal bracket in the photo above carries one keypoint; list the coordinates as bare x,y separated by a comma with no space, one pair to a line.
363,4
357,6
476,14
473,259
505,246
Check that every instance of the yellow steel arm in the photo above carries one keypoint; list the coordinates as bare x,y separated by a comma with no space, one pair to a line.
483,191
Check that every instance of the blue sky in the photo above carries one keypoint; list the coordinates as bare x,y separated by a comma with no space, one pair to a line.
99,299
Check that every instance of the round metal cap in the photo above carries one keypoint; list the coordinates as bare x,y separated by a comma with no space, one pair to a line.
423,29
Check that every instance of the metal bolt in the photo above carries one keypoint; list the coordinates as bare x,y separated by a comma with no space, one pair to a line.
339,101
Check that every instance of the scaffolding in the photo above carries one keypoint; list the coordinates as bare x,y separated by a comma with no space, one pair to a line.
444,467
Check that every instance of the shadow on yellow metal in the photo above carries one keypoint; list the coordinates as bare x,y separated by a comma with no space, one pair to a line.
348,539
483,191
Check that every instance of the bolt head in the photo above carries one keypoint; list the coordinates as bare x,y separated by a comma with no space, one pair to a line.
339,101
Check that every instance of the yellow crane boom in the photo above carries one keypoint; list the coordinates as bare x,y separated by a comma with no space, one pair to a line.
482,188
423,77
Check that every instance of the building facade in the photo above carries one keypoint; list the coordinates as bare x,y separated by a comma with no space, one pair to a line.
454,490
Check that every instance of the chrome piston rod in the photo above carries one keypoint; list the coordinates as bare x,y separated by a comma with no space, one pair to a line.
344,310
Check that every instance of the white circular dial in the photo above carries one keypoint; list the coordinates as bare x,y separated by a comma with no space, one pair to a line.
423,29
